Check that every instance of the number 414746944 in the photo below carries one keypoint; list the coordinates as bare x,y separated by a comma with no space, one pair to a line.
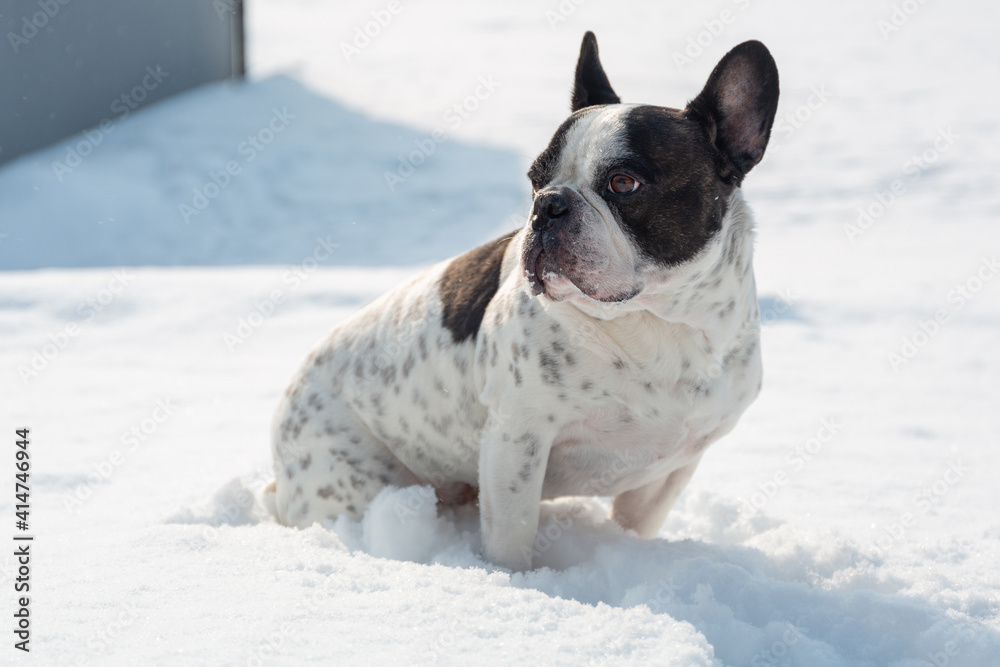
21,490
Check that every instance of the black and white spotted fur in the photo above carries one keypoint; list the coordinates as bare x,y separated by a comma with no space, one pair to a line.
597,351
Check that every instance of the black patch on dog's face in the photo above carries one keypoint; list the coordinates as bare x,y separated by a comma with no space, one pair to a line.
687,162
681,199
467,286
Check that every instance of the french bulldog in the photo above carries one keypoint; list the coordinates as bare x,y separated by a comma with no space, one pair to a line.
599,350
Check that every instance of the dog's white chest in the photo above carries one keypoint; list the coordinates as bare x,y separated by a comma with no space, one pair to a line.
645,420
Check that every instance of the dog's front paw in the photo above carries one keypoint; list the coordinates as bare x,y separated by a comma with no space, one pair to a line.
515,560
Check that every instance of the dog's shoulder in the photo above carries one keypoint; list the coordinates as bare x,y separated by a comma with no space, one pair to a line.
468,284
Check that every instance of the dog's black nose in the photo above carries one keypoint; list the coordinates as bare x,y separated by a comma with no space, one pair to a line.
548,207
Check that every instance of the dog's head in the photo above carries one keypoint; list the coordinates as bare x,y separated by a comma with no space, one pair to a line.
625,194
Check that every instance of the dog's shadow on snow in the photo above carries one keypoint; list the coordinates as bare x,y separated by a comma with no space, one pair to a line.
756,588
776,308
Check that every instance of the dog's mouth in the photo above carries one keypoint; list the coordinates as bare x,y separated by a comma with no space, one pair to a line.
621,297
536,266
544,276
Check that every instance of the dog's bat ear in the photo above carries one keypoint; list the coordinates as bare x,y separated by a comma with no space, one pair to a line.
737,106
591,85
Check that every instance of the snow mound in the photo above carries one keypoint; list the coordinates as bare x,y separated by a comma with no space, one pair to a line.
721,586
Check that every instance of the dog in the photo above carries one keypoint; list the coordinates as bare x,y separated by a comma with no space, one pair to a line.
597,351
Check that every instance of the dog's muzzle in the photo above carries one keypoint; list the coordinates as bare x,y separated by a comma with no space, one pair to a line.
550,213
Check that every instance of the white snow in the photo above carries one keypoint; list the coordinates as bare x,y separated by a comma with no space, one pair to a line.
850,519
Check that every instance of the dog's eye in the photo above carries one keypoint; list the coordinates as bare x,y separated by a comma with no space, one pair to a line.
536,179
621,184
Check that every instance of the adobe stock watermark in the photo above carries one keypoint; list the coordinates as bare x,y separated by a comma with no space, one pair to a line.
703,39
227,513
364,34
131,440
284,451
559,523
40,358
225,8
462,455
796,460
898,17
311,602
927,329
249,149
121,107
768,316
241,503
453,118
30,25
385,362
265,307
562,12
869,214
102,641
777,652
444,643
786,125
269,646
963,633
927,498
666,593
548,533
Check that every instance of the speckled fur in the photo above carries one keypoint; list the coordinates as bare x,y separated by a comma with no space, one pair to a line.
547,400
606,371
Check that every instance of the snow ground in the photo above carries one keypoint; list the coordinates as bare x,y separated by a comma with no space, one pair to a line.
850,519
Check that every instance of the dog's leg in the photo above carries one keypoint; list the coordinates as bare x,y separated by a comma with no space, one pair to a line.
645,509
511,471
330,464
